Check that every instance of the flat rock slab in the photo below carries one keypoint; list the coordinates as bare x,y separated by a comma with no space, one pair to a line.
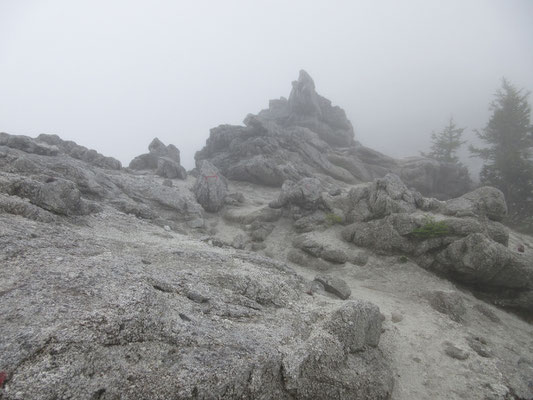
334,285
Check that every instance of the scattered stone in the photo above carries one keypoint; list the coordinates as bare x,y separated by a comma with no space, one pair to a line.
335,285
479,345
167,228
360,258
260,230
197,297
239,241
449,303
316,287
334,255
396,317
196,223
487,312
335,192
258,246
311,222
235,199
455,352
355,324
305,260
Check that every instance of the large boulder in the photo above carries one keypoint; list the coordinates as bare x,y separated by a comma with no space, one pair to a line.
211,187
484,201
330,364
56,195
305,194
476,259
165,160
433,178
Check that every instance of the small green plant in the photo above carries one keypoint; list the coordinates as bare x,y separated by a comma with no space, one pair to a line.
402,259
333,219
431,229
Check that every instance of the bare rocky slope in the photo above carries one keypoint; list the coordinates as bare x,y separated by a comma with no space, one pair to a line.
292,263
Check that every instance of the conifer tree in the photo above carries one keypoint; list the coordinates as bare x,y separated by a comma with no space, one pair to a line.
508,163
444,144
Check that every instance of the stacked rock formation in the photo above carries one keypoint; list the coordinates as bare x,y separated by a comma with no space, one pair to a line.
165,160
306,136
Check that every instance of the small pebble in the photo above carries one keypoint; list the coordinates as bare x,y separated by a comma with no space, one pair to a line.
167,228
396,317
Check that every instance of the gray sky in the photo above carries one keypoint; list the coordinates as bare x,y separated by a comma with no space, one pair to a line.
113,74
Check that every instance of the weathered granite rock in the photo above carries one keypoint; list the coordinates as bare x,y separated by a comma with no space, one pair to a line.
80,152
449,303
335,285
73,180
476,258
355,324
485,201
305,136
88,314
165,160
57,195
465,243
210,188
305,194
335,346
27,144
434,178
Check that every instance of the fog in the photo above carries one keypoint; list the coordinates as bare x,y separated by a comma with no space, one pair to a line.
111,75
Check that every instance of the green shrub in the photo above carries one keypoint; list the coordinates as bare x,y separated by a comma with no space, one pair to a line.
333,219
402,259
431,229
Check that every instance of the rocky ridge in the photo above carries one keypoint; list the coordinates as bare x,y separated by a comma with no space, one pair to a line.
257,274
306,136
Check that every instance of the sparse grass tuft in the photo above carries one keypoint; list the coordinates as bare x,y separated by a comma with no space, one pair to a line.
431,229
333,219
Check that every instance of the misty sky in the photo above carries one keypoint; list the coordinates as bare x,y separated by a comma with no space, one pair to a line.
113,74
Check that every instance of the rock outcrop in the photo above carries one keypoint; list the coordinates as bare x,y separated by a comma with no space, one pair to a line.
47,177
89,313
165,160
79,152
460,238
305,136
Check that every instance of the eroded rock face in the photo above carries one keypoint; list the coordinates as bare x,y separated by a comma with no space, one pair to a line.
165,160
